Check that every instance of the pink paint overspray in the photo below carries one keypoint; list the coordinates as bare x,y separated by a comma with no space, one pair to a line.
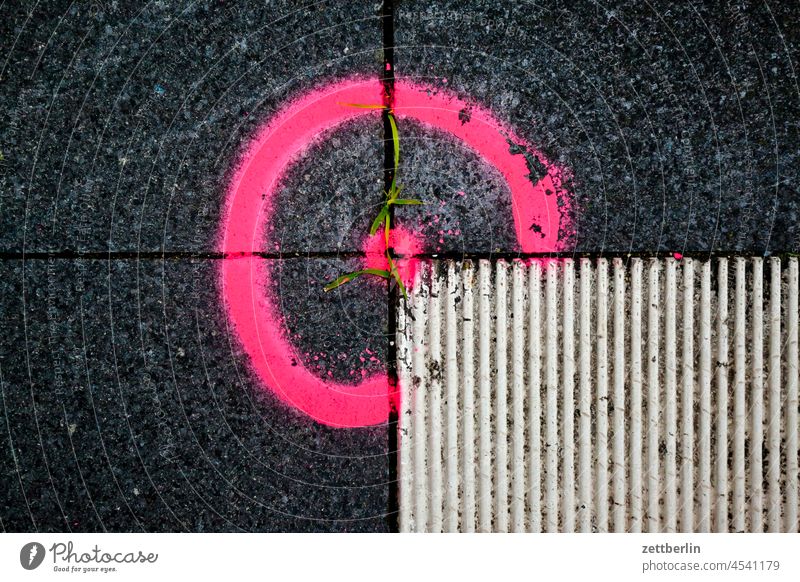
249,206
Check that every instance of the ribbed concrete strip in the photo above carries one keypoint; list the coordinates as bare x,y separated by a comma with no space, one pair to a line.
653,395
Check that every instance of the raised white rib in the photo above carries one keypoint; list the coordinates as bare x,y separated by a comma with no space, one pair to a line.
687,395
551,440
601,399
619,467
451,456
740,401
592,396
415,359
567,447
433,369
670,398
721,391
534,395
501,400
775,399
518,419
467,398
585,464
653,403
757,400
791,422
635,468
485,332
704,381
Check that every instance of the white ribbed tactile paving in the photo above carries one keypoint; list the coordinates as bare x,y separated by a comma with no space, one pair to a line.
609,395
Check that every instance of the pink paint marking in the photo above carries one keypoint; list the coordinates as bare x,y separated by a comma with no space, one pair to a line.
405,245
531,204
245,278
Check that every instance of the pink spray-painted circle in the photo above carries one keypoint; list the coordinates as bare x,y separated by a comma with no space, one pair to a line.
249,206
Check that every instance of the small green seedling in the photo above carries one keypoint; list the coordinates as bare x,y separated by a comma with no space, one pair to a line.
339,281
384,217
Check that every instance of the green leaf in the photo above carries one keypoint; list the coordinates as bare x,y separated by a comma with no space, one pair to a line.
339,281
396,275
396,143
394,191
402,287
362,105
376,272
347,277
382,215
406,201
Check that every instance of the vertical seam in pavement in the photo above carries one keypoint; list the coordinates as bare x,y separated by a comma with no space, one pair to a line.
387,79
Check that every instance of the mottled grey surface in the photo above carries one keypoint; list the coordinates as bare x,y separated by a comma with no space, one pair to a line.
121,130
678,120
331,195
467,205
342,335
128,405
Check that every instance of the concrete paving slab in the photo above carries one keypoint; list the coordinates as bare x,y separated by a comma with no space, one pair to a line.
676,120
122,124
129,405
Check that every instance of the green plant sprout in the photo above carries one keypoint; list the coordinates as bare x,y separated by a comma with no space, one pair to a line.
384,217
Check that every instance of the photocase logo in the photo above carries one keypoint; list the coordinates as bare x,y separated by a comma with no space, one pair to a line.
31,555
